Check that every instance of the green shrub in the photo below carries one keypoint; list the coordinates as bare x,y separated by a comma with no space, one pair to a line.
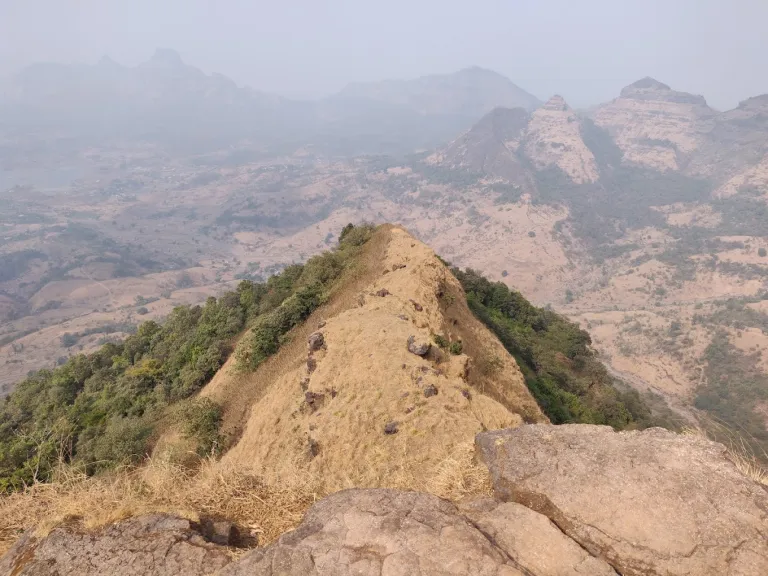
119,440
200,420
560,369
68,339
455,348
354,236
440,340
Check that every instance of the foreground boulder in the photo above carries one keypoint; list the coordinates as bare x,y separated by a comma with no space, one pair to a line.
379,532
571,500
156,545
532,540
648,503
374,532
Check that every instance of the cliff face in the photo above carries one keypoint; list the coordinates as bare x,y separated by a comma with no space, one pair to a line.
735,150
553,138
655,126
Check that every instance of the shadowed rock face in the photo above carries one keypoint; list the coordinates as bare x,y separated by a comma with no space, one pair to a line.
156,545
649,502
490,146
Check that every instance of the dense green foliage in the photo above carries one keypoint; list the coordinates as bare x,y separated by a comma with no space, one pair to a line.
101,409
561,371
601,212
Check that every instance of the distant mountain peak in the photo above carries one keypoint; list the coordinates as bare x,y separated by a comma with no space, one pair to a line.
165,57
557,102
651,89
759,102
648,83
470,92
478,71
107,62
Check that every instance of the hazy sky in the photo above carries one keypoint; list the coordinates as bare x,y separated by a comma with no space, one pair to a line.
585,50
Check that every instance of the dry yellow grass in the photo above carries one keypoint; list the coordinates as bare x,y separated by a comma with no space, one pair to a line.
366,377
739,451
213,490
237,392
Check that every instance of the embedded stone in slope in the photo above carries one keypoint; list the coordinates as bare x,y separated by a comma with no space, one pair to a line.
649,503
156,545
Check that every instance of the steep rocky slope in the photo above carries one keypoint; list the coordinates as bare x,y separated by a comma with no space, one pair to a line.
737,144
553,138
490,147
656,126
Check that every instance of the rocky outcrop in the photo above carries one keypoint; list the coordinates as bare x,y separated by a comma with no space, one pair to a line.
648,503
553,138
418,347
655,126
156,545
572,500
532,540
375,532
736,147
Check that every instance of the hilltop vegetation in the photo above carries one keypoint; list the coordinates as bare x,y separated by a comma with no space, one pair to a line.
562,372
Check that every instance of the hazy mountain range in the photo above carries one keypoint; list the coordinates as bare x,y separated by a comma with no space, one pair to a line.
166,100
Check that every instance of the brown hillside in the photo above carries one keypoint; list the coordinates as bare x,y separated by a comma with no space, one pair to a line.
489,147
330,421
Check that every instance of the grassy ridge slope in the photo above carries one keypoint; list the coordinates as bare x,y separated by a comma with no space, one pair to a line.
104,409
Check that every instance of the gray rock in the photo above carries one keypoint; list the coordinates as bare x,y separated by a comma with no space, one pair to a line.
532,540
648,503
315,341
377,533
313,448
430,391
156,545
418,347
390,428
222,532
